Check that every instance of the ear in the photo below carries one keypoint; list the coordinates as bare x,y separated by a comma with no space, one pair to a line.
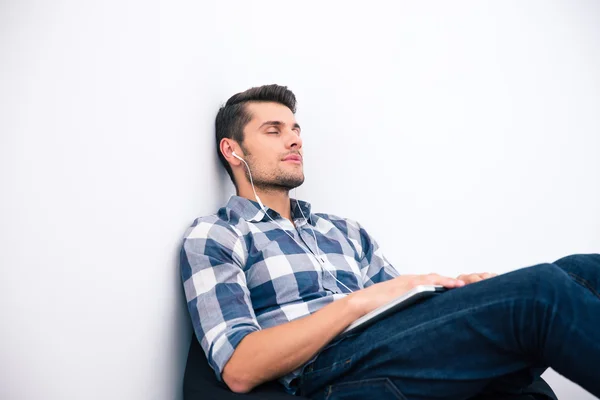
228,146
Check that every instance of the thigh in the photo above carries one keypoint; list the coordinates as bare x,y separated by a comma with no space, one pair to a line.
449,346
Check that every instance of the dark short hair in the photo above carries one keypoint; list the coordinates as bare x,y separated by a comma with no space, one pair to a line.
234,116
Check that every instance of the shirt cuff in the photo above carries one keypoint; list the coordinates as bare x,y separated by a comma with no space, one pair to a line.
223,348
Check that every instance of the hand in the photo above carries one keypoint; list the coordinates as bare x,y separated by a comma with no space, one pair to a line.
472,278
381,293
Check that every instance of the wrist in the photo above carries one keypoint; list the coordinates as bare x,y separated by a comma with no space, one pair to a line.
357,304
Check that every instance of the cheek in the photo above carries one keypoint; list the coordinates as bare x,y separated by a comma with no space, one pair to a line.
263,167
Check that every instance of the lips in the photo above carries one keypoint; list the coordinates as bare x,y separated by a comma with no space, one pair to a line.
293,157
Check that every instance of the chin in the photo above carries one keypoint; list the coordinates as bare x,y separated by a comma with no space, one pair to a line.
291,183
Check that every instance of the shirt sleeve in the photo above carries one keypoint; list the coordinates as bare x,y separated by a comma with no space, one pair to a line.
374,266
218,299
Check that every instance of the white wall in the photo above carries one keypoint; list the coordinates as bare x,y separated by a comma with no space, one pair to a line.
105,160
474,125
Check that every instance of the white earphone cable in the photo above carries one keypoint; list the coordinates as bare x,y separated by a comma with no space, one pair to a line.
315,236
320,261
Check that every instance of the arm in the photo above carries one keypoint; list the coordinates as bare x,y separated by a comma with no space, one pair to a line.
218,300
270,353
267,354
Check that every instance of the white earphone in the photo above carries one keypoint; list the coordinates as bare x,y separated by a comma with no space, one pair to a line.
319,257
262,207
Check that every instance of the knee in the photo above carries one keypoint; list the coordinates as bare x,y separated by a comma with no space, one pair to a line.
543,282
579,261
548,283
541,274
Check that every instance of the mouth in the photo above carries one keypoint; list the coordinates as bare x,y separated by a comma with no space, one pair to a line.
293,158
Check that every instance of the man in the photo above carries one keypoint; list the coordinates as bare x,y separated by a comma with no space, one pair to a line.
270,285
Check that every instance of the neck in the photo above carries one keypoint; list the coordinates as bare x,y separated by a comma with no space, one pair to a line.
276,199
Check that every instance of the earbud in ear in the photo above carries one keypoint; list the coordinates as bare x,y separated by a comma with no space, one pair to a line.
236,156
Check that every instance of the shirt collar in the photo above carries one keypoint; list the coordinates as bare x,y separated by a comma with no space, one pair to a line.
250,210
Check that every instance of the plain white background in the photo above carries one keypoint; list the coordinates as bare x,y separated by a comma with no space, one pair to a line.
464,135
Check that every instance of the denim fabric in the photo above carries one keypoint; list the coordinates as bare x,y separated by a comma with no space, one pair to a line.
499,332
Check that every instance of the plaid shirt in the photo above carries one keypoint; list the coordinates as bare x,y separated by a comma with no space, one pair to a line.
242,273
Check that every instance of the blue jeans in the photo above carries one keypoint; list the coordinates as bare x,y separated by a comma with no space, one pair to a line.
499,332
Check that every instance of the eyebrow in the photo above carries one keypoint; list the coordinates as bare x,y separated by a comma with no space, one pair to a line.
277,123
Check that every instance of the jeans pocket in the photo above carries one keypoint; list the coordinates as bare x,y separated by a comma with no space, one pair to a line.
318,376
373,388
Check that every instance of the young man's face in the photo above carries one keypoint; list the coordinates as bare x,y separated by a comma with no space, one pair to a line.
273,147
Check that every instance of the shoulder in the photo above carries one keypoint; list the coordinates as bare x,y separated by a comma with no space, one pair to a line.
212,226
211,236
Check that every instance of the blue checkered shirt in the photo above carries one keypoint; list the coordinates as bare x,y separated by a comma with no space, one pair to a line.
242,273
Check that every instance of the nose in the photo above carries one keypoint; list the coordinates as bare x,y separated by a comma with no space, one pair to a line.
293,140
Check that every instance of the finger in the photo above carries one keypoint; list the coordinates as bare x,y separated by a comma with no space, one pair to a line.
432,278
487,275
448,282
437,279
466,278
